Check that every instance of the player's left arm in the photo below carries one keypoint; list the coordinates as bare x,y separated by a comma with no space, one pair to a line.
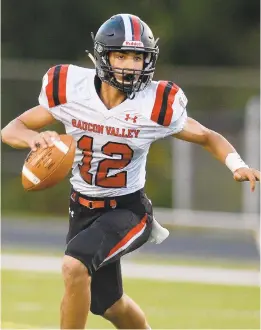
220,148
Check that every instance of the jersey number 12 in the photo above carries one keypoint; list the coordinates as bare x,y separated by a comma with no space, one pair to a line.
102,179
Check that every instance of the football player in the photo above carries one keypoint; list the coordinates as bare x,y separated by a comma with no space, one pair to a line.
114,114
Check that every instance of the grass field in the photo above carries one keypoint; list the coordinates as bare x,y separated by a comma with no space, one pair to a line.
31,300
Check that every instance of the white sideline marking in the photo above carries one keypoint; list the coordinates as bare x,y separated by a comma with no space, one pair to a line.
133,270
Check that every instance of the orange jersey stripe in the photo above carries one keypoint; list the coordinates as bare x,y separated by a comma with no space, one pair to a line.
134,231
49,88
62,84
169,111
158,101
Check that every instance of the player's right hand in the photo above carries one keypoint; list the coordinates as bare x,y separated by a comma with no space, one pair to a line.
43,140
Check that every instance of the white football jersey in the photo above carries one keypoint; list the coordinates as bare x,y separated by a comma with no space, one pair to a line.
112,145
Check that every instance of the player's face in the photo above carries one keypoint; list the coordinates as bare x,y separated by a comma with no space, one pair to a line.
129,61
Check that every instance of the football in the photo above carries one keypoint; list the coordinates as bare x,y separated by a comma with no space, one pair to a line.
45,167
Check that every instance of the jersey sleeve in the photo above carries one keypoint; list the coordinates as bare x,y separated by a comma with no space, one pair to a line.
169,109
54,89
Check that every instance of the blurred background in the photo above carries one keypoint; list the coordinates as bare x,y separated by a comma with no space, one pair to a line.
211,48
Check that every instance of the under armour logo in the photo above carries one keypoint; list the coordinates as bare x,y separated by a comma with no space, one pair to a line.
128,117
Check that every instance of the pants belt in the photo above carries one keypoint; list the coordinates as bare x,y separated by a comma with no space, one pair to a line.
97,204
107,202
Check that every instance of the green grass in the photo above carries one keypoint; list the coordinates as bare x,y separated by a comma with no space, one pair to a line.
31,300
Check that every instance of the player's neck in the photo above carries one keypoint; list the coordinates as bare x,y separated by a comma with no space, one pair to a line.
111,96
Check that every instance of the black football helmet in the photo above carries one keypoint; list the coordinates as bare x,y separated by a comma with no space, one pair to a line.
125,32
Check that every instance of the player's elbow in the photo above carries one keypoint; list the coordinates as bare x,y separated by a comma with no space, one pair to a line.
210,138
205,137
5,134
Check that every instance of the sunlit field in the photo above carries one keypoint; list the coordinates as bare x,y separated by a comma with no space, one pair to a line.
31,300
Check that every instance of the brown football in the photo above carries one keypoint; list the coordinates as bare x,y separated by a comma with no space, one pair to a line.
44,168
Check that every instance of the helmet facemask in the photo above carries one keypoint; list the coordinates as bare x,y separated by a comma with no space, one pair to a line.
129,81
